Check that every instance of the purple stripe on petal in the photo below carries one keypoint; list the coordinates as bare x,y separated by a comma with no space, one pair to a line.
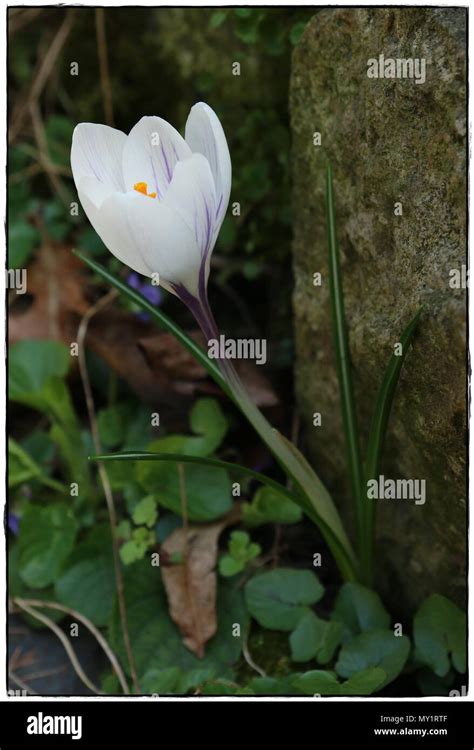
155,180
169,173
207,241
219,206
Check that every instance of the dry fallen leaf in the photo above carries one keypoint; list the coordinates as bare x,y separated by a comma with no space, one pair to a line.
57,294
191,586
153,362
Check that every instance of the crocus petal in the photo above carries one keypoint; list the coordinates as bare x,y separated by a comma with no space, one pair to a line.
193,196
151,152
205,135
95,190
97,152
114,235
150,238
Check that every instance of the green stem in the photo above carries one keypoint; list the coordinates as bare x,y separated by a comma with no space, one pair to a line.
344,373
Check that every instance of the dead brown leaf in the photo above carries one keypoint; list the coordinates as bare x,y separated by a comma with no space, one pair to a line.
56,293
191,586
152,362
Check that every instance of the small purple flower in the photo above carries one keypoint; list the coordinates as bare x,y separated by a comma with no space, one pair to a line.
13,523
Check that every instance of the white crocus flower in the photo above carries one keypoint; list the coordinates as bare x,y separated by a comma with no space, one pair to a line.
157,200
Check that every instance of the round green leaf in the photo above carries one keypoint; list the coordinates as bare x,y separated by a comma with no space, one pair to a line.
315,638
359,609
440,635
377,648
279,598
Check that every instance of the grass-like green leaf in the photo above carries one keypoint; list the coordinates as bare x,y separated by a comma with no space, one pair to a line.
378,429
182,458
341,553
344,374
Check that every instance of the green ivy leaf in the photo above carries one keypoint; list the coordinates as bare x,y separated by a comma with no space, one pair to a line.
440,635
279,598
46,539
136,548
314,638
268,506
230,566
377,648
146,512
132,551
359,609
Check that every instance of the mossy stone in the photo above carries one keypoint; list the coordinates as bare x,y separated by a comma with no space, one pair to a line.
389,141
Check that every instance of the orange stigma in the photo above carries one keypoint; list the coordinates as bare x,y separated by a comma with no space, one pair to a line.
142,187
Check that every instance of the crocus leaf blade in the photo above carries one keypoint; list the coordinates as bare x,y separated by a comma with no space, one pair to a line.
344,370
378,427
340,548
191,459
384,401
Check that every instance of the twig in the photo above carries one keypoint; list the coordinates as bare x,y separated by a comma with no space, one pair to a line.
184,504
81,334
248,656
104,66
18,660
44,157
42,75
19,18
92,628
64,640
46,673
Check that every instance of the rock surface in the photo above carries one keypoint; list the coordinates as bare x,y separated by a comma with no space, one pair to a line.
389,141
